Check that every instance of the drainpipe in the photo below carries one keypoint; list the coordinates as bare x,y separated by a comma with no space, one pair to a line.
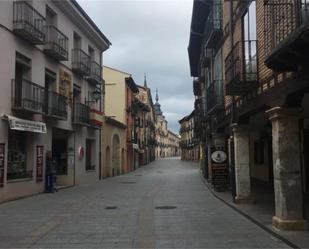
101,109
232,166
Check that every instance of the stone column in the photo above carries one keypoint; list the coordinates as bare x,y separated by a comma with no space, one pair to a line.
287,169
242,163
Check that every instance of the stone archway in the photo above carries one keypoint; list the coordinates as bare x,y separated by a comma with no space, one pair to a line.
116,160
107,169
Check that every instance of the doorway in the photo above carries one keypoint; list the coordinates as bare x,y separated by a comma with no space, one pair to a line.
59,152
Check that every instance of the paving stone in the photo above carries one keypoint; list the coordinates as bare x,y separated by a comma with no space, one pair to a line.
77,218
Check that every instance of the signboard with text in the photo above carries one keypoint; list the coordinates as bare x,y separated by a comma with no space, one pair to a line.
2,156
39,163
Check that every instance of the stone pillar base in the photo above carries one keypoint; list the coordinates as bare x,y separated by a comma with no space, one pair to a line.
290,225
243,200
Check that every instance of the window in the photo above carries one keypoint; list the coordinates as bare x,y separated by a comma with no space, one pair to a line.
250,37
90,152
17,160
91,53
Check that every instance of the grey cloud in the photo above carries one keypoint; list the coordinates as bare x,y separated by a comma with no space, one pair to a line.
150,36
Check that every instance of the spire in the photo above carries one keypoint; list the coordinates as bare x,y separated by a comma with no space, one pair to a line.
145,81
157,97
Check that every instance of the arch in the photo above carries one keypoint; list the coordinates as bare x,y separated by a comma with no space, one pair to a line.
107,170
116,161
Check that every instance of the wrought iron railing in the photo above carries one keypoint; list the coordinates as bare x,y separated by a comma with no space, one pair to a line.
95,73
80,62
241,63
27,96
57,105
81,114
215,94
281,18
214,26
28,22
56,43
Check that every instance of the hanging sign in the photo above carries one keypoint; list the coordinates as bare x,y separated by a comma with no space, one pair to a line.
2,156
218,156
39,163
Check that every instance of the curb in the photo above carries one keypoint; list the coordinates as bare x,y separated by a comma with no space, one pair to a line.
256,222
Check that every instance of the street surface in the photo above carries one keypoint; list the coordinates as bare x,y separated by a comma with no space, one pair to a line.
122,212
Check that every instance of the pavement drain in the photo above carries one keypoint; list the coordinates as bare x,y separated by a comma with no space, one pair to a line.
165,207
110,207
127,182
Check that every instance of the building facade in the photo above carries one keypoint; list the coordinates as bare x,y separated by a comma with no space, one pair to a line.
173,144
50,99
189,144
247,60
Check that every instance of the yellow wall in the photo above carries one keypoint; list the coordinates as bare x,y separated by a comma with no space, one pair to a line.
115,94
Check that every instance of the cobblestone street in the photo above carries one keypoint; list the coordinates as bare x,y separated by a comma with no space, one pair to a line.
124,212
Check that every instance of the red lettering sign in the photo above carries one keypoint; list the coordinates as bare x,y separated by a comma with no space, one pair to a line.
2,156
39,163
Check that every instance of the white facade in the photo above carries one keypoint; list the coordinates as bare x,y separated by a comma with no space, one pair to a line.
26,66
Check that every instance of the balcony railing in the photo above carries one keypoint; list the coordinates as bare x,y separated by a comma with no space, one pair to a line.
214,26
81,114
27,96
241,68
215,95
95,76
57,105
80,62
286,33
56,44
28,22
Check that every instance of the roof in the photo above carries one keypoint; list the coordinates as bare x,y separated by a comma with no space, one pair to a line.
84,14
200,12
117,70
188,117
131,84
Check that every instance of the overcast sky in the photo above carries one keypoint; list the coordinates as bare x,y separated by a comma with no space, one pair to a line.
150,36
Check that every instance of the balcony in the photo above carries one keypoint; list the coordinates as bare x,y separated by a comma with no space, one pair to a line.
198,106
81,114
27,96
215,96
95,76
287,39
241,68
80,62
57,106
197,87
56,44
28,22
214,28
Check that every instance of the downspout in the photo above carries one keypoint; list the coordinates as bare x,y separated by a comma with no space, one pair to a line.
100,131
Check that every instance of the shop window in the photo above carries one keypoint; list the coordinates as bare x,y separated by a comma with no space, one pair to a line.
90,153
259,155
17,161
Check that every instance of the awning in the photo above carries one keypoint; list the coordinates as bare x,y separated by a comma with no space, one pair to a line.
25,125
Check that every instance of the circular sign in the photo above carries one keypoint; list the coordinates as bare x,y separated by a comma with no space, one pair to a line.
219,156
81,152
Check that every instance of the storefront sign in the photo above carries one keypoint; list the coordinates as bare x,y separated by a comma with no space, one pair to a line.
39,163
2,156
218,156
81,152
26,125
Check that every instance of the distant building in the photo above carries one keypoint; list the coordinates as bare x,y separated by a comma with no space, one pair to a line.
189,144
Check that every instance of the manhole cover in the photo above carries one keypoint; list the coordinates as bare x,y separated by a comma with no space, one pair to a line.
138,175
127,182
110,207
166,207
